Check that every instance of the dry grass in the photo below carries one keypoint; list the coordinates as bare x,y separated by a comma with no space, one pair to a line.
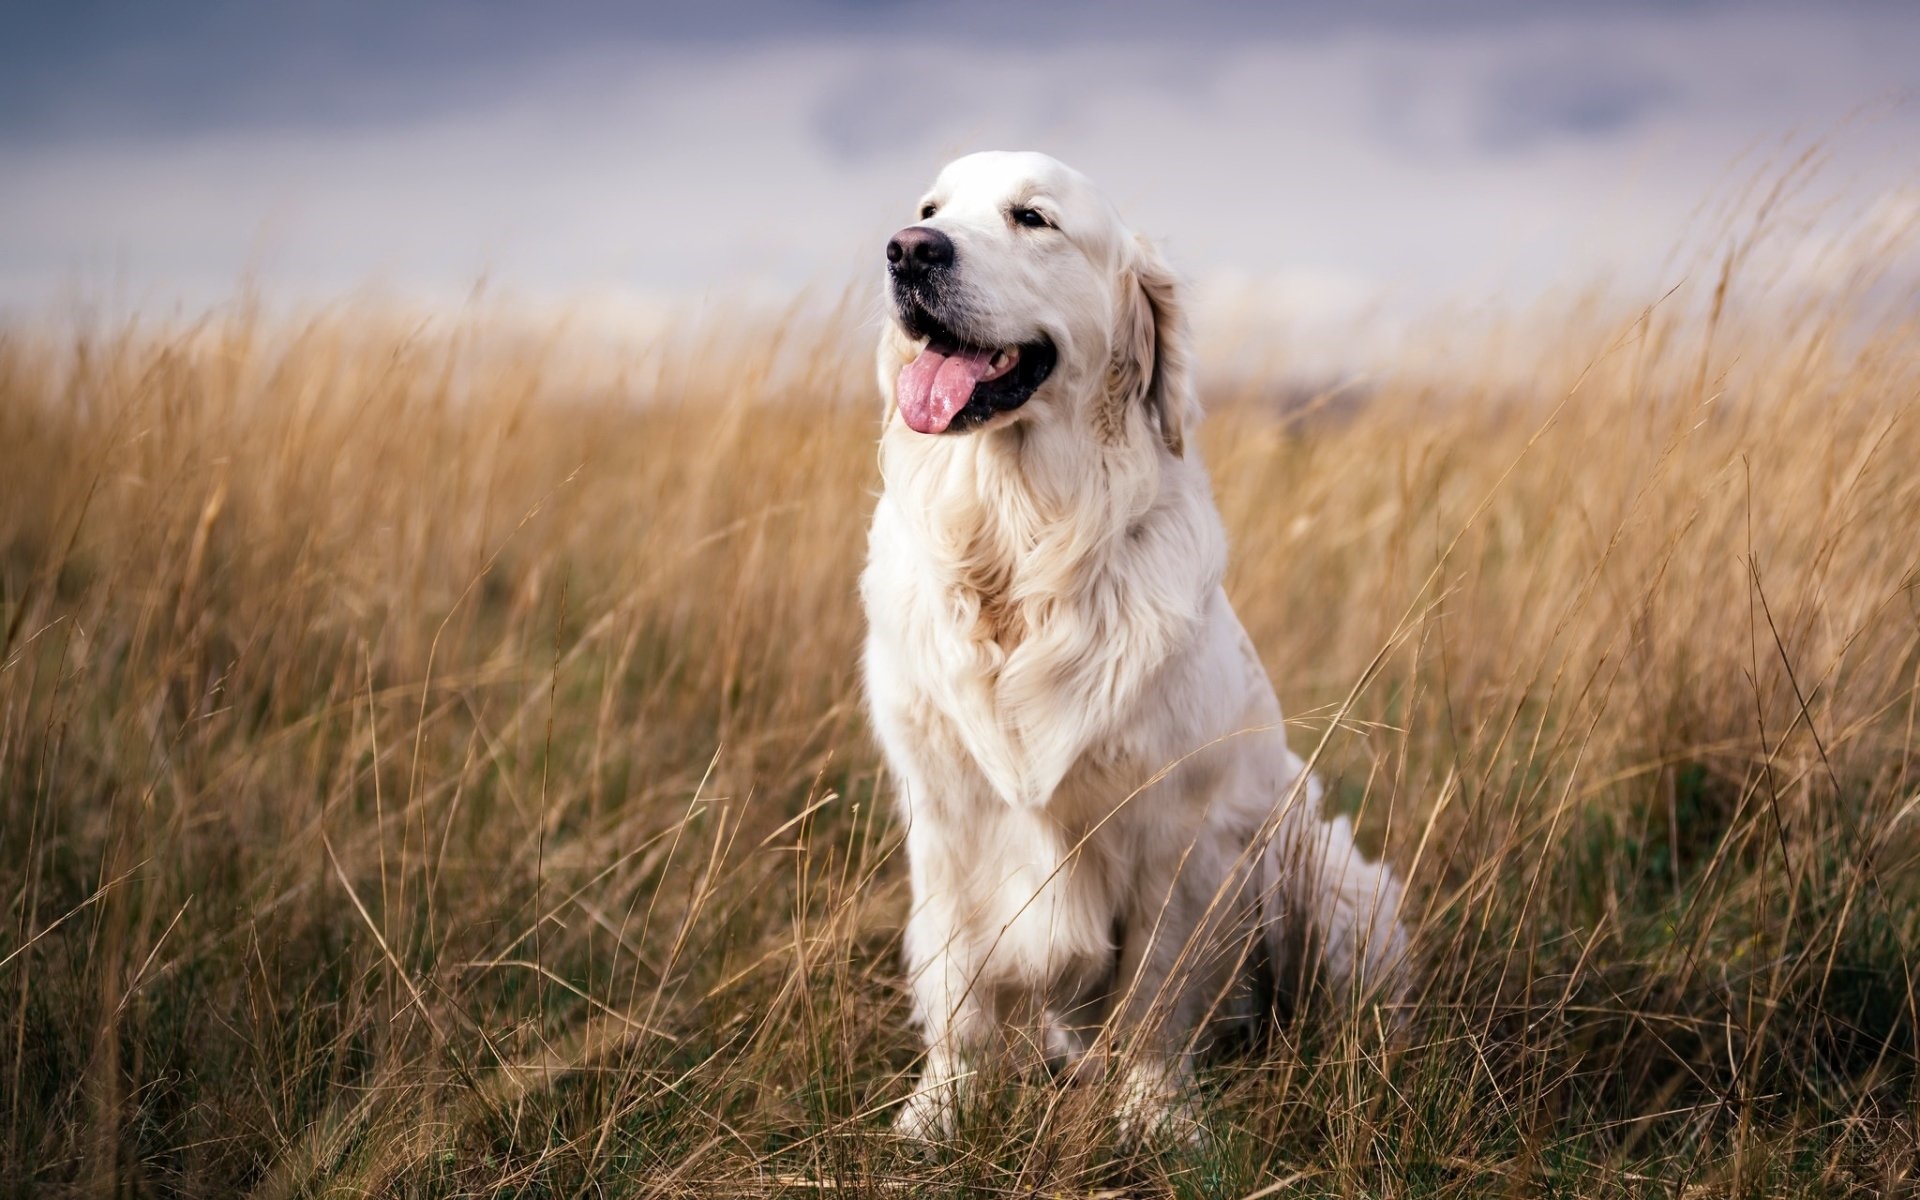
419,776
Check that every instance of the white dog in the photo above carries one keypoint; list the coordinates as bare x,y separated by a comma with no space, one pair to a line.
1108,834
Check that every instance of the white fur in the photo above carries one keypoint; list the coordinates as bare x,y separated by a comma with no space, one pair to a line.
1104,822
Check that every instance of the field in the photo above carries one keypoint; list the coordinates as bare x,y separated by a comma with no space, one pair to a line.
428,768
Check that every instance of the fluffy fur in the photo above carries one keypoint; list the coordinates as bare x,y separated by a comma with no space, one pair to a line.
1111,843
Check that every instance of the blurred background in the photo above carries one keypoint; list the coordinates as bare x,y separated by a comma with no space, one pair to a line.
1331,168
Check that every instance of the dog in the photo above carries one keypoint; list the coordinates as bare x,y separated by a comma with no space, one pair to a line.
1114,855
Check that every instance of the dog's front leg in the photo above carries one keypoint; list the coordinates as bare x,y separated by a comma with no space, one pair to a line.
959,1016
1148,1061
1183,959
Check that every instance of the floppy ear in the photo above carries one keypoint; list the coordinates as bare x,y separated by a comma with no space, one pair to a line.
1151,362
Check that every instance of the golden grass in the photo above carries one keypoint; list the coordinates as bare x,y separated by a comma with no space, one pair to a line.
422,772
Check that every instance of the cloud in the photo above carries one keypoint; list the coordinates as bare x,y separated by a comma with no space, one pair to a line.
1571,96
1351,164
876,110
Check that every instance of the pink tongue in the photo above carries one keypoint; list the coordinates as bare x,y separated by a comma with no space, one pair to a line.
936,385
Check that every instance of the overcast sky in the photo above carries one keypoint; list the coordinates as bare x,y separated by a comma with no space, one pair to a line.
1304,159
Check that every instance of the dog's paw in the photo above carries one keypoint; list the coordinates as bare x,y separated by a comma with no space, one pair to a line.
928,1114
1153,1109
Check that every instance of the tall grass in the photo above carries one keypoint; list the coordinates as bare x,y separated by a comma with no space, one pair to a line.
423,772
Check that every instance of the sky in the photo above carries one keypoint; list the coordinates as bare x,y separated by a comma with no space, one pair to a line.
1307,162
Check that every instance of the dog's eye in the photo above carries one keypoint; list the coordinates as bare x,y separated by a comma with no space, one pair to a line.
1032,218
927,211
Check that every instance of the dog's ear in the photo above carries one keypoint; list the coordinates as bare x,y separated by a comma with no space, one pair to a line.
1151,362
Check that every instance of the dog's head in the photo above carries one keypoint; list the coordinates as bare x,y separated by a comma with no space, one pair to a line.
1018,288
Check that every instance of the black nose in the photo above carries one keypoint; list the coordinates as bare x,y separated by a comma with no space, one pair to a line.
916,250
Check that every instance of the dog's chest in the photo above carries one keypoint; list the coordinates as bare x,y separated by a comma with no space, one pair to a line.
992,598
1014,644
980,665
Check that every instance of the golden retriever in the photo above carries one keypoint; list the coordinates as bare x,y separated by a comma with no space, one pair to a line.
1114,853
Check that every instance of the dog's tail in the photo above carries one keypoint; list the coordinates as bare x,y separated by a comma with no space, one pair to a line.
1331,916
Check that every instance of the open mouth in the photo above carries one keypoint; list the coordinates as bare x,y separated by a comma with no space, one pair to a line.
953,385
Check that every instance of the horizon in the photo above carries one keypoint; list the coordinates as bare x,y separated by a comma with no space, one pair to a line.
1307,170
